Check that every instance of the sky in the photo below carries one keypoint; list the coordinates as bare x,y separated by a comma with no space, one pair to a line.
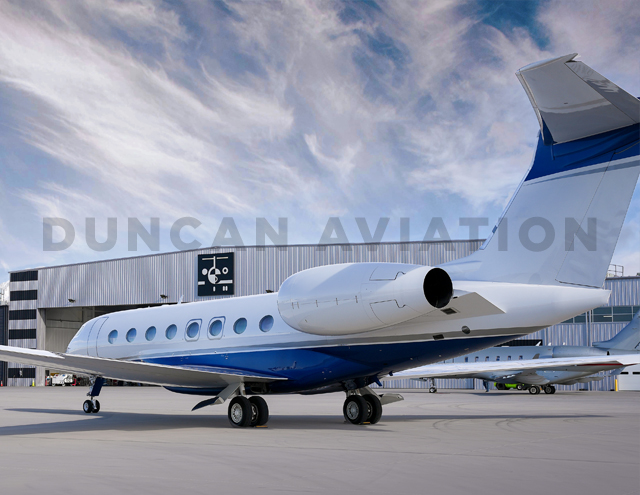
278,109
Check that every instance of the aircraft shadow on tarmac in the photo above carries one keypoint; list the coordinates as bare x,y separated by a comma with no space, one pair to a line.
127,421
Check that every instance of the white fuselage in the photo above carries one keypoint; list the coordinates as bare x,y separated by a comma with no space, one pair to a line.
302,357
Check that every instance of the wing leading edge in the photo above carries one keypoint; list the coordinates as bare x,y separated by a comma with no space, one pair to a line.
134,371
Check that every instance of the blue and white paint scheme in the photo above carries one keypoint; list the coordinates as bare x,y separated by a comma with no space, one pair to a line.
343,327
537,368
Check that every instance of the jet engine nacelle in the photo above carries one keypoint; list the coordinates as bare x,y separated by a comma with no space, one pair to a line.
355,298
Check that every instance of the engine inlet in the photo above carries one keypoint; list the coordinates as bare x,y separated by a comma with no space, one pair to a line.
438,288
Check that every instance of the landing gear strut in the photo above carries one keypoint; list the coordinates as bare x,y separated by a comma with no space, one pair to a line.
432,388
93,405
245,411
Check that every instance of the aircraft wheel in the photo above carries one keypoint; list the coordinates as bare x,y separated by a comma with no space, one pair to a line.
534,390
87,406
355,409
548,389
433,390
374,409
240,412
259,411
553,389
96,406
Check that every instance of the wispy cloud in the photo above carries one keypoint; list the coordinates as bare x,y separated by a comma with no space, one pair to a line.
297,109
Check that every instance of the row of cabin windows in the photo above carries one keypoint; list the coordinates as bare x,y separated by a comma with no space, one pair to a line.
466,358
607,314
192,332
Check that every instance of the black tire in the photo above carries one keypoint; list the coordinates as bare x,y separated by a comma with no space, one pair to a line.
374,408
553,389
96,407
240,412
548,389
433,390
87,407
500,386
534,390
260,411
355,409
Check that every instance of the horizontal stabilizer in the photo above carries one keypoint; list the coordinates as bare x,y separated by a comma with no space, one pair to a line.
468,370
572,101
463,305
133,371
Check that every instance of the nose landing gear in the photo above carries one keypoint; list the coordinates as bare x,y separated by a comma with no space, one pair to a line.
93,405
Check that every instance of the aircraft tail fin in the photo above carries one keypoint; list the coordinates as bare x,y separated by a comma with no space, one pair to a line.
627,339
563,222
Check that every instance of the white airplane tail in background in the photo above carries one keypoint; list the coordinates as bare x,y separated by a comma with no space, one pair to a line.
627,339
562,224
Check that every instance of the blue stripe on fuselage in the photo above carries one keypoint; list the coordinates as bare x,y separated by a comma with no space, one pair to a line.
584,152
312,368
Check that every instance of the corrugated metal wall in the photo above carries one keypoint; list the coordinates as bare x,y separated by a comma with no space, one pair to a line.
4,335
142,280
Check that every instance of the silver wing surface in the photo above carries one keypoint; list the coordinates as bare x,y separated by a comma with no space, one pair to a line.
469,370
134,371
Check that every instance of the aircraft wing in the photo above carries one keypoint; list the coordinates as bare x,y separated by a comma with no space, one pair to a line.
469,370
134,371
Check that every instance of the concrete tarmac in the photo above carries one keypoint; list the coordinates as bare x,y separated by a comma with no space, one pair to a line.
146,440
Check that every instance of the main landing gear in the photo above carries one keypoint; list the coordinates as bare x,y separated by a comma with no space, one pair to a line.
93,405
364,406
549,389
432,388
360,409
534,390
252,411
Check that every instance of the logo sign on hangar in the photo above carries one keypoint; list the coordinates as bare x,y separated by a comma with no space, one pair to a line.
215,274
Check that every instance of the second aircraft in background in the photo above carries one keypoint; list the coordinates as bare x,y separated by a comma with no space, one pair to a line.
538,368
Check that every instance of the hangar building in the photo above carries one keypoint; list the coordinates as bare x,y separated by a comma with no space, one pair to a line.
48,305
